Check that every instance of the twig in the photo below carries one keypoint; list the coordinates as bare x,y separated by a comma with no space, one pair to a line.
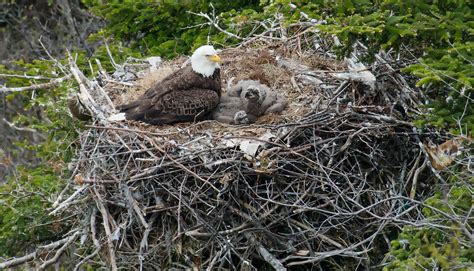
43,86
33,255
94,240
105,221
215,22
133,203
68,200
23,129
130,130
112,60
266,255
35,77
415,178
59,252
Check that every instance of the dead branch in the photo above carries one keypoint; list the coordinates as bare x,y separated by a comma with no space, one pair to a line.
30,257
214,21
105,222
43,86
59,252
34,77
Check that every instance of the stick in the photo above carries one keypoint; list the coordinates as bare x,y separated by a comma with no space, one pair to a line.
110,246
35,77
267,256
133,203
33,255
68,200
94,240
214,22
59,252
44,86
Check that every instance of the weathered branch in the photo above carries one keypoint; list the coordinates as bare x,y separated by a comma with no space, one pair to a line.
35,77
43,86
105,222
27,258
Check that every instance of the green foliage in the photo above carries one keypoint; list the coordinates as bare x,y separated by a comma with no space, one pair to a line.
23,220
448,76
164,27
428,249
439,32
26,196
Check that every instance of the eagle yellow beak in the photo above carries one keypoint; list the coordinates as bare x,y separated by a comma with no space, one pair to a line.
215,58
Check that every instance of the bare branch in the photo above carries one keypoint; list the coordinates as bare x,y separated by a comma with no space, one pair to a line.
43,86
27,258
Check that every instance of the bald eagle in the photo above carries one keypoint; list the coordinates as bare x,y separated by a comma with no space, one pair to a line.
188,94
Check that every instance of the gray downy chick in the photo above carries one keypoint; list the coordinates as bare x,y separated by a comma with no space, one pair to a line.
232,110
261,99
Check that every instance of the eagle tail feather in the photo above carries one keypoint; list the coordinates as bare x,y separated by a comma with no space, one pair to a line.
128,106
117,117
135,110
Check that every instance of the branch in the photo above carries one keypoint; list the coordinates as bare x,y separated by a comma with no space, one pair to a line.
94,240
48,85
59,252
22,129
105,221
214,22
35,77
68,201
32,256
266,255
84,93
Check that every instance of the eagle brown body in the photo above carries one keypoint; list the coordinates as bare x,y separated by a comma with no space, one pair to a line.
182,96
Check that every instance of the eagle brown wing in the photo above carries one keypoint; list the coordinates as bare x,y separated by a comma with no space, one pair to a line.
175,96
181,79
178,106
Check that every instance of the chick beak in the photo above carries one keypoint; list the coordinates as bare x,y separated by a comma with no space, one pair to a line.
215,58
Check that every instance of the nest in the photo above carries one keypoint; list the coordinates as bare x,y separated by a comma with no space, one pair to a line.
321,184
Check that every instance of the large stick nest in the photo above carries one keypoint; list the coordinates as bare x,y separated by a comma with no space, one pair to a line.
323,183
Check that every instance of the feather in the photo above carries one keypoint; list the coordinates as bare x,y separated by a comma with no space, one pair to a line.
185,95
117,117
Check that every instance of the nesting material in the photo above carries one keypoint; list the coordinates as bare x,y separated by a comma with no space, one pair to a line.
320,181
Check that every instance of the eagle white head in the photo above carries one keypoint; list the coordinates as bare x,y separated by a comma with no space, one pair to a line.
205,60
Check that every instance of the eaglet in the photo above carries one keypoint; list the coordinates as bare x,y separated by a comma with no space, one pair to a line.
247,101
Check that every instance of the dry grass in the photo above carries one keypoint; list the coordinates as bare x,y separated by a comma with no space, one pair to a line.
239,64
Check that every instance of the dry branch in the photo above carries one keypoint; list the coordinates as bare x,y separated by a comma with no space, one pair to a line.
43,86
30,257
